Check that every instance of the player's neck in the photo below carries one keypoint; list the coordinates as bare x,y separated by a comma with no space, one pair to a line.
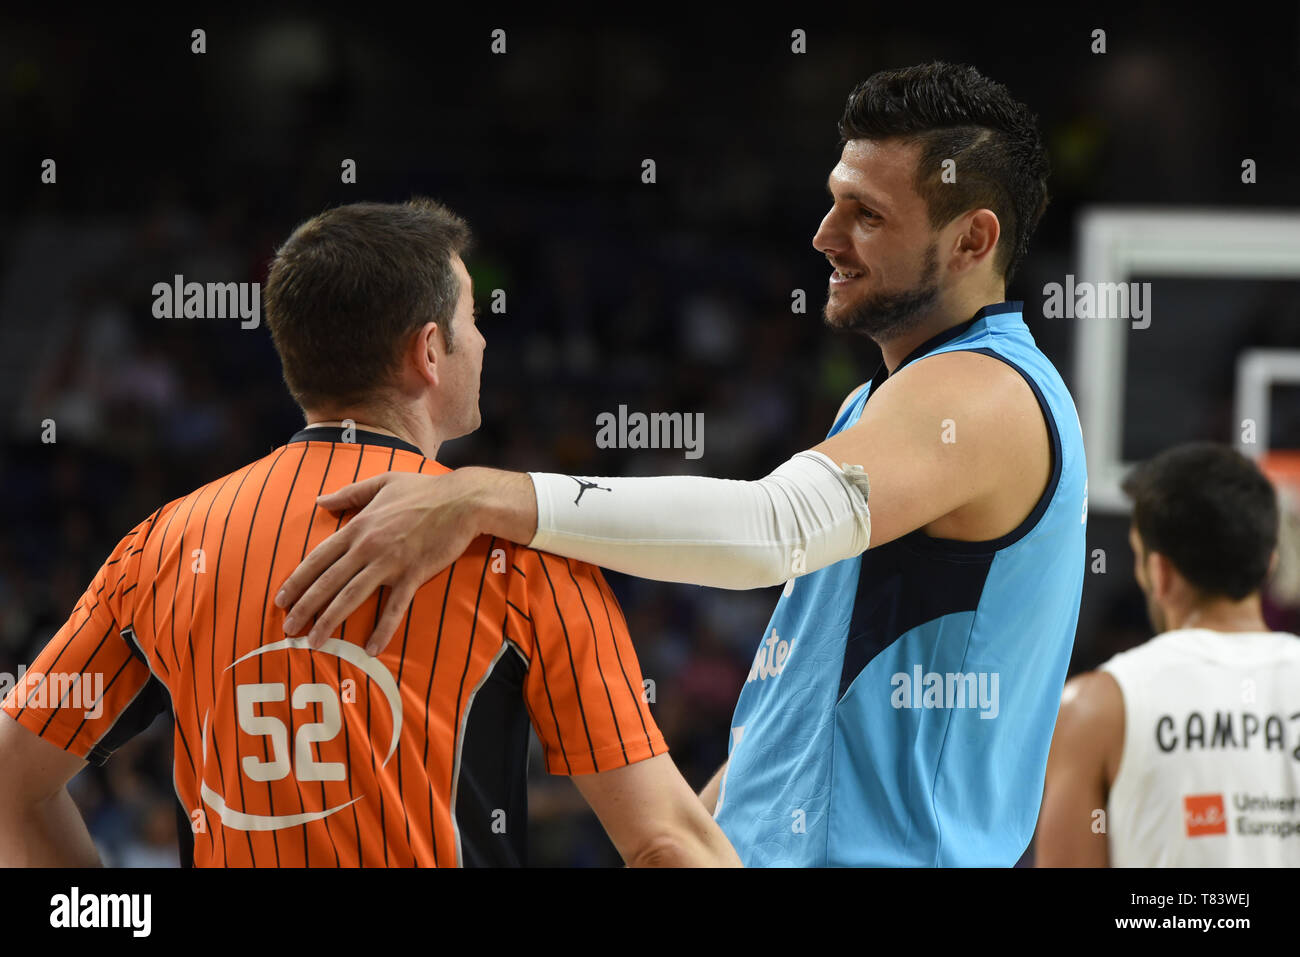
1228,616
895,350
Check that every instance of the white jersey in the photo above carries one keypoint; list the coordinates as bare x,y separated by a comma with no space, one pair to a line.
1210,773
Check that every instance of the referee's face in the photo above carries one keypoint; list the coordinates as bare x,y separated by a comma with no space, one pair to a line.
463,364
878,240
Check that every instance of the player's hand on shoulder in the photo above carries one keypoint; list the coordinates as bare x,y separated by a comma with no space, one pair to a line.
410,528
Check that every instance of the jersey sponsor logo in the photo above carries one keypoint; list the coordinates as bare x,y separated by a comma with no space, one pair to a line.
1263,815
303,764
1221,730
1203,815
1289,804
771,658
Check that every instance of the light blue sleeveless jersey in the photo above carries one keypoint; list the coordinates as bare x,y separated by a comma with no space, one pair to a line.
901,704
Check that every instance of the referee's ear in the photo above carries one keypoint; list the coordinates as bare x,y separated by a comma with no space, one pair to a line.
424,354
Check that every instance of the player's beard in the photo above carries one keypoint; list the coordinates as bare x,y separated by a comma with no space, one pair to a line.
886,315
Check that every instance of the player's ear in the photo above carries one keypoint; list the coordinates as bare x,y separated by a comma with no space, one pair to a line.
1162,574
978,237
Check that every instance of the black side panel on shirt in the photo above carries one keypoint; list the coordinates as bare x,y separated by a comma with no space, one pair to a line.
184,826
906,583
492,790
154,699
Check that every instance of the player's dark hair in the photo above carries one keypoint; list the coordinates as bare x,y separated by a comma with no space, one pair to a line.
1211,512
956,113
348,288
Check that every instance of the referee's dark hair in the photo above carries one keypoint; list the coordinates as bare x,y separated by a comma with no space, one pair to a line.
349,286
956,113
1211,512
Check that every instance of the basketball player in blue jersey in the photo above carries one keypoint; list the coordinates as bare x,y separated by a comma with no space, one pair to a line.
901,702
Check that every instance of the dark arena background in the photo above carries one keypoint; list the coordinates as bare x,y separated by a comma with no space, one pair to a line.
1173,139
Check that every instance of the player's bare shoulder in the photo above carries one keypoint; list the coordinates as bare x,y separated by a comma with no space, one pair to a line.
1093,696
955,444
1092,719
986,392
984,408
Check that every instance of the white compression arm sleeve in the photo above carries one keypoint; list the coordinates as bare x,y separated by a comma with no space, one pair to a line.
807,514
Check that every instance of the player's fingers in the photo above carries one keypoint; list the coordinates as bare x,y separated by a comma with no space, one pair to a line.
322,591
322,557
355,495
349,598
395,608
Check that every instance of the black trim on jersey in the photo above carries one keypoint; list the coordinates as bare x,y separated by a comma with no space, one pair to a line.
153,700
918,578
949,334
493,770
954,546
184,835
334,433
184,826
901,587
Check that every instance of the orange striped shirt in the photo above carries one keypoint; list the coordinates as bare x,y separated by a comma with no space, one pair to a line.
290,757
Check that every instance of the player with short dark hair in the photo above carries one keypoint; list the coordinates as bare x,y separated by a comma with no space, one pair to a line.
900,705
291,756
1185,751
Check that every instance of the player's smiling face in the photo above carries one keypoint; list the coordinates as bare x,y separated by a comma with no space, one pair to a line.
878,241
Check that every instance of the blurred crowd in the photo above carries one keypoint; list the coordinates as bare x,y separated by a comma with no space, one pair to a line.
672,296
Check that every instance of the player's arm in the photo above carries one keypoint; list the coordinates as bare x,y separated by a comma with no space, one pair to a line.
586,696
709,794
933,438
654,818
1086,744
40,826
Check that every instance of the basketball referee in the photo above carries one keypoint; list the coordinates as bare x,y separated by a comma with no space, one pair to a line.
287,756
